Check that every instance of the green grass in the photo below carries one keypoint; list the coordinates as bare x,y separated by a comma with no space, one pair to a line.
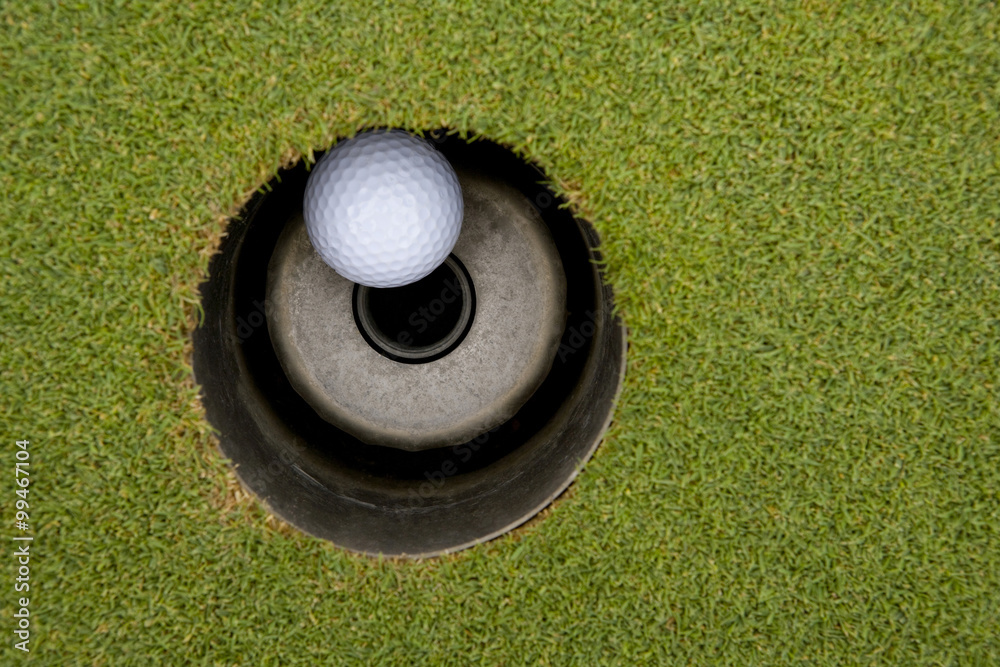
799,204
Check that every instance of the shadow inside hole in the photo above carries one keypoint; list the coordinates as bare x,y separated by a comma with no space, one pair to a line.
420,322
435,298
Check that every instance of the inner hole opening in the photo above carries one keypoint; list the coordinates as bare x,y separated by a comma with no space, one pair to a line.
420,314
419,322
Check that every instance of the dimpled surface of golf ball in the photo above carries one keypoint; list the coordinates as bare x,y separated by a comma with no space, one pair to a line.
383,209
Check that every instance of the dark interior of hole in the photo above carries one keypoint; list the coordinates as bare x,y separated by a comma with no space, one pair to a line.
265,217
420,314
412,317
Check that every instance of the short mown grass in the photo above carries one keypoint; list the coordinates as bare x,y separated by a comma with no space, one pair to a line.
799,204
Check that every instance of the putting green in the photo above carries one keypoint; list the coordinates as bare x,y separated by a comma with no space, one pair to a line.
799,204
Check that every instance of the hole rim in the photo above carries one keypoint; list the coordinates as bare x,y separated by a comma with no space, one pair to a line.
376,512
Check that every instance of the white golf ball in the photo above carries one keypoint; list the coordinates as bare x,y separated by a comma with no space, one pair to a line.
383,209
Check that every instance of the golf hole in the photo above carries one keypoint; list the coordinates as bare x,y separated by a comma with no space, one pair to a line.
310,430
420,322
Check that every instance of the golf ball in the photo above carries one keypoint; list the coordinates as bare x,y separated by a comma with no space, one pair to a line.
383,209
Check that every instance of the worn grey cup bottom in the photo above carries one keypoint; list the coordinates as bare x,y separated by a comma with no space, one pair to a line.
520,315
